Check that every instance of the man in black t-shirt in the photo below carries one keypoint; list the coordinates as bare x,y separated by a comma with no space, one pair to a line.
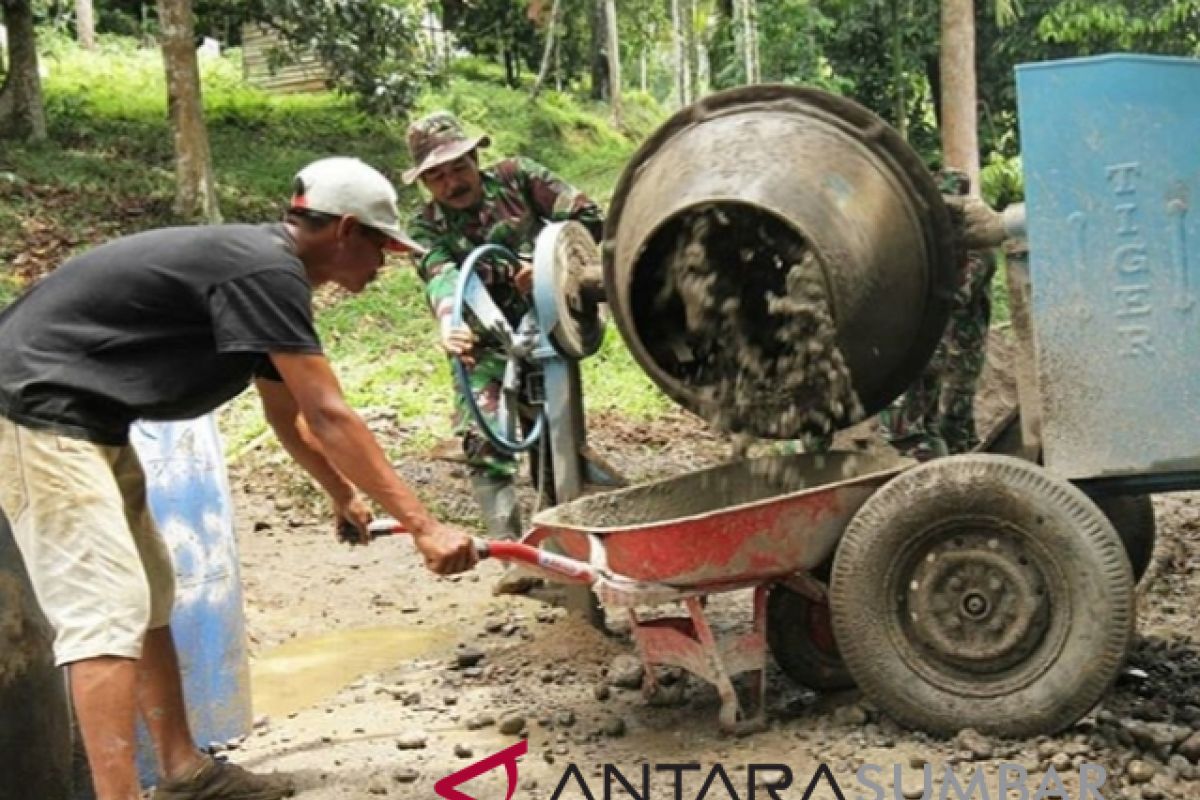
169,324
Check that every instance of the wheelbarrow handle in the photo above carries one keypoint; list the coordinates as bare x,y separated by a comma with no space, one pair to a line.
562,567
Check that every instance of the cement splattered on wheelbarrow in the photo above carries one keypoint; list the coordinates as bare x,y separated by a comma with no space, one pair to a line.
760,326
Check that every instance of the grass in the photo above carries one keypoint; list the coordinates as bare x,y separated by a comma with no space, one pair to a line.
108,170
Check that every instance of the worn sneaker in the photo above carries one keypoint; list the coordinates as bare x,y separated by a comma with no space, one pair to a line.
220,780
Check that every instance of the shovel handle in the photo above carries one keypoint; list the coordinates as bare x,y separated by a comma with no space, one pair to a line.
562,567
386,526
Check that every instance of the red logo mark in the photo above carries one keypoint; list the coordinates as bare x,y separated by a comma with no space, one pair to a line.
508,757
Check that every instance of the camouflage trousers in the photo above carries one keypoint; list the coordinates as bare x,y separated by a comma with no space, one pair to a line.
936,415
486,379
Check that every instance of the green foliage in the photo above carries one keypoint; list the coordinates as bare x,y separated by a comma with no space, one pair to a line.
881,52
1001,305
108,122
499,29
1159,26
1001,180
792,35
109,171
371,47
8,289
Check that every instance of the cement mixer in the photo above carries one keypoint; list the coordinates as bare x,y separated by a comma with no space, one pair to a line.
779,261
784,172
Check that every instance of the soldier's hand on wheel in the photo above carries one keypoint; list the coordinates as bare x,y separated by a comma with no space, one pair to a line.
446,549
460,342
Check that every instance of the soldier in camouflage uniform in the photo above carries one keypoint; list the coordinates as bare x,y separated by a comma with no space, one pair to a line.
507,203
936,417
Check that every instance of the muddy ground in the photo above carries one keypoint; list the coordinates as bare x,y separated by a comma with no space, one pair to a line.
373,678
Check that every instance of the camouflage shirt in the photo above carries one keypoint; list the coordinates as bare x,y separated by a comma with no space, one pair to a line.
519,197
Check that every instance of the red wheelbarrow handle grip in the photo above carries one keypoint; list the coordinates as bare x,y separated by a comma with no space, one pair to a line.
562,567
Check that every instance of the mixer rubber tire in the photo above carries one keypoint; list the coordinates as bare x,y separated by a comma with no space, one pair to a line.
800,635
1131,514
979,591
1133,517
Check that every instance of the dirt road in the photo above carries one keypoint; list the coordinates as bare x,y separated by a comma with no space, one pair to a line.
375,679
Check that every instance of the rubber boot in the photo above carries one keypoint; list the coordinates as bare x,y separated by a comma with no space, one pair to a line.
497,498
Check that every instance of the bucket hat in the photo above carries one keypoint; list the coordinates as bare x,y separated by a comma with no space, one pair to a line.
438,139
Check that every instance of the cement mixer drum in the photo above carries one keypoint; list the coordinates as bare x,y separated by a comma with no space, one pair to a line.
779,260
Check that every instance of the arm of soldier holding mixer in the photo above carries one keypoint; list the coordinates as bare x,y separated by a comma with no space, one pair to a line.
438,270
980,226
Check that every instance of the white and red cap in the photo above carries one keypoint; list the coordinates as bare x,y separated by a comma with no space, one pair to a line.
342,186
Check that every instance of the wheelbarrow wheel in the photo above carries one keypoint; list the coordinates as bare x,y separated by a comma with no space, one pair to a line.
979,591
1133,517
800,635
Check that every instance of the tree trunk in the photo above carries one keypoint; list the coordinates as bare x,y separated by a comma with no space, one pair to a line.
558,82
511,67
643,69
752,12
549,50
195,189
898,75
693,52
22,113
614,62
748,15
85,24
600,86
960,135
682,87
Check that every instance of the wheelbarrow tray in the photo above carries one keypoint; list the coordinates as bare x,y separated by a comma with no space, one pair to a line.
743,522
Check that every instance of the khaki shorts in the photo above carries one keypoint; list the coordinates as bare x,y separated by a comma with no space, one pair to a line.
99,567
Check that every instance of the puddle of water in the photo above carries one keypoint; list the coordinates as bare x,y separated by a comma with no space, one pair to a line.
304,672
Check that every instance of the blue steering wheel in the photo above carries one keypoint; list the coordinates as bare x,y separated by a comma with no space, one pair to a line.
485,309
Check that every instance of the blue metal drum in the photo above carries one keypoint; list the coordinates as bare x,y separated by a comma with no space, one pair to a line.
189,496
1111,150
35,730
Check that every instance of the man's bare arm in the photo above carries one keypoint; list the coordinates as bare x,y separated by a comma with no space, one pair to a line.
283,415
352,451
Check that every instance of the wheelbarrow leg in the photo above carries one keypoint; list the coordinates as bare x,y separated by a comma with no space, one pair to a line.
689,642
747,654
717,676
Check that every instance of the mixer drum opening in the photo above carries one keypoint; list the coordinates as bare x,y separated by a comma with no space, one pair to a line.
779,261
733,302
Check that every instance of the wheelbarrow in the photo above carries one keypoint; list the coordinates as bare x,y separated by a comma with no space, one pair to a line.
763,525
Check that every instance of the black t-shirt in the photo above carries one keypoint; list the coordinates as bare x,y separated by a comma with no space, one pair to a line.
162,325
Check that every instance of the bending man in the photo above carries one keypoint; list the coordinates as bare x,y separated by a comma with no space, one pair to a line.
169,324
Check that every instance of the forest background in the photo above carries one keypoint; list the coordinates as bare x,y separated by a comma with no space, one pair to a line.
118,115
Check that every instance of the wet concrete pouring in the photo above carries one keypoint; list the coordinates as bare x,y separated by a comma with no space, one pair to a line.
375,679
744,319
